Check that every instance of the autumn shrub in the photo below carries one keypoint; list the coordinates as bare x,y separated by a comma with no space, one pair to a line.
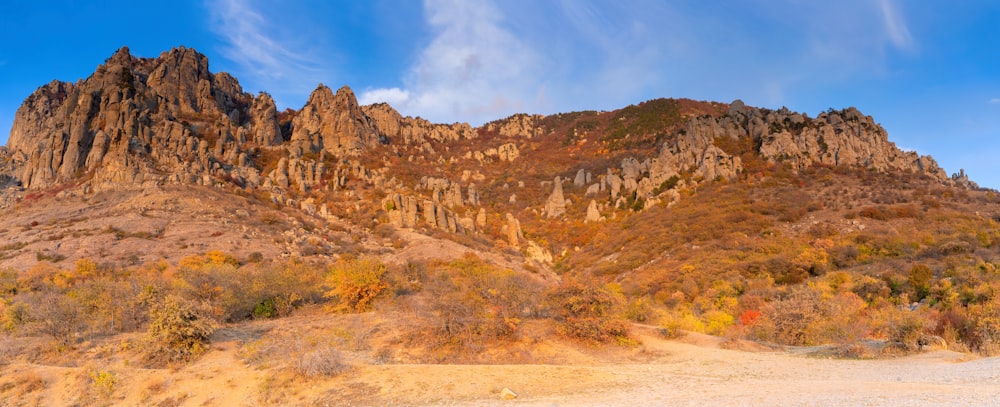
748,319
324,361
304,353
113,305
178,331
717,322
790,318
638,310
103,382
588,311
843,319
54,314
869,288
221,287
920,280
261,290
355,284
473,302
279,288
984,321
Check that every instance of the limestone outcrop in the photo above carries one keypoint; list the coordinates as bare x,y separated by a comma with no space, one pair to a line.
413,131
333,123
137,121
410,212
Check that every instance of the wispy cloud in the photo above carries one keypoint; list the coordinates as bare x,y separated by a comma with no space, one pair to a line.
252,42
994,101
895,26
486,60
474,68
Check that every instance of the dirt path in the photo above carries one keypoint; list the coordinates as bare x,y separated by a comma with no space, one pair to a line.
692,375
690,372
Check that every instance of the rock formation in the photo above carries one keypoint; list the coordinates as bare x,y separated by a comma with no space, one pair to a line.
143,122
333,123
555,206
407,130
139,120
512,229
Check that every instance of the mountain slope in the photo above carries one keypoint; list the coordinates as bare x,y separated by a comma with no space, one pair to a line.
694,212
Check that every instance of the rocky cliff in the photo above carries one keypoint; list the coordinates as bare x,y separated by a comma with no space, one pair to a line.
169,120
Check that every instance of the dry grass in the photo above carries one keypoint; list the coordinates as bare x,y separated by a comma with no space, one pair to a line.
22,385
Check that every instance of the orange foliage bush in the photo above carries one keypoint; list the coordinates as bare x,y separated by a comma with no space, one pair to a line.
356,283
588,311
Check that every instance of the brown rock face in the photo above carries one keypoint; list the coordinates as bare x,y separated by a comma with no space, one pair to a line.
264,128
169,119
138,120
409,130
333,123
846,137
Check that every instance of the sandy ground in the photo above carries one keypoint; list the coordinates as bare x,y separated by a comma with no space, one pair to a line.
692,371
684,374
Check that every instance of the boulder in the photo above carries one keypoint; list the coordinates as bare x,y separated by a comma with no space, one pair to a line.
581,179
593,215
507,394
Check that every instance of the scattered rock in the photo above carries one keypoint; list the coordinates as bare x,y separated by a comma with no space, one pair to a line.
507,394
581,179
593,215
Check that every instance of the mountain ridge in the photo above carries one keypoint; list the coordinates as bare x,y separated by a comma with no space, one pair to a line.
144,123
131,100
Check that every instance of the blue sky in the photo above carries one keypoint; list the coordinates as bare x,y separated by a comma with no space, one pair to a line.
929,72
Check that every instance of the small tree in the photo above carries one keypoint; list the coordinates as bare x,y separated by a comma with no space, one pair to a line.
55,314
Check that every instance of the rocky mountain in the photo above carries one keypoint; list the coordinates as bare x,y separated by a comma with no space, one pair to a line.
147,205
138,123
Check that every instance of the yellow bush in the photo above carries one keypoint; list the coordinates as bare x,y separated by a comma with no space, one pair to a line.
103,381
716,322
214,257
356,283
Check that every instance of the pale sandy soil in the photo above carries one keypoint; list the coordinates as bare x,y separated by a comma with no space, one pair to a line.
692,371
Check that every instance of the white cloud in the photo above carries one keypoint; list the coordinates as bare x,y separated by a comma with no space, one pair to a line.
275,62
899,35
994,100
474,69
392,96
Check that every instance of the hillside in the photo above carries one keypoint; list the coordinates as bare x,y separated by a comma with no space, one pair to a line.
156,188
